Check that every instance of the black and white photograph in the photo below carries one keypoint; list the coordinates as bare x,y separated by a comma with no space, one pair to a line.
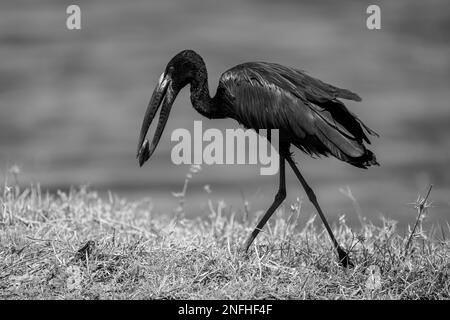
246,152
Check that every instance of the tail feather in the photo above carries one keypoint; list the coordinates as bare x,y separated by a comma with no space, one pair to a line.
347,94
341,145
348,120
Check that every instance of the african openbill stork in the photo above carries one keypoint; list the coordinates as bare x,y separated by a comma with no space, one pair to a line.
261,95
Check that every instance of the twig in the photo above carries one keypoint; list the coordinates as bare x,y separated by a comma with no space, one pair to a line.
348,193
421,206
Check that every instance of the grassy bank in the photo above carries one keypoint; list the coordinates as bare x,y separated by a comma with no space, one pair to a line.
77,245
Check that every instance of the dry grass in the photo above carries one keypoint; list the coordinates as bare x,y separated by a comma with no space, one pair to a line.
77,245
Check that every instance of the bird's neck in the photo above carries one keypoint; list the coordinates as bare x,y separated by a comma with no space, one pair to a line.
200,98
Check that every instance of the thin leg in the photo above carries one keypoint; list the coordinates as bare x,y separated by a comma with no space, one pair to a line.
343,256
279,198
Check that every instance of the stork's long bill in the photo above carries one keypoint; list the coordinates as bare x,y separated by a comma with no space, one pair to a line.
164,94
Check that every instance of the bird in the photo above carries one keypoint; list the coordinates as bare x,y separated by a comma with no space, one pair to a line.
308,113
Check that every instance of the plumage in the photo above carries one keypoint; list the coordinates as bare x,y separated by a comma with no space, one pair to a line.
262,95
306,110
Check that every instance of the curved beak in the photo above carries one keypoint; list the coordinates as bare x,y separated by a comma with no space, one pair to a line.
163,94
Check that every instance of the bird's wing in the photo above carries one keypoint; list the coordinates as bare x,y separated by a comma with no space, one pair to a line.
263,98
305,88
300,83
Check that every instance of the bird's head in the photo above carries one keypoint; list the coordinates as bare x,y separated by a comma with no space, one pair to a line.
181,70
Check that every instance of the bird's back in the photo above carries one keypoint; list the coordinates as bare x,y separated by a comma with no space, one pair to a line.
306,110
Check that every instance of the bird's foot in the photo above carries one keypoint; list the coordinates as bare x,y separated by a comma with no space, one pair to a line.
244,251
344,258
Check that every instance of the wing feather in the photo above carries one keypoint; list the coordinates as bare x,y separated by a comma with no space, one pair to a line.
271,96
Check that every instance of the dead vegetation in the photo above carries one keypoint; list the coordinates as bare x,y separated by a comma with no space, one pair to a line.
78,245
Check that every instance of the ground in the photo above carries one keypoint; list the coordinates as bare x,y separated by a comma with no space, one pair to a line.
77,245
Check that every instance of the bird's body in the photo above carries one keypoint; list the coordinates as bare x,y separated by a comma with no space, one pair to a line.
261,95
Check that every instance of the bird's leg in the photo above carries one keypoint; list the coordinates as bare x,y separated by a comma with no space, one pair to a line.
279,197
342,254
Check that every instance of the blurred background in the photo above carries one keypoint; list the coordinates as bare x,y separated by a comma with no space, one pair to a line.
71,102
